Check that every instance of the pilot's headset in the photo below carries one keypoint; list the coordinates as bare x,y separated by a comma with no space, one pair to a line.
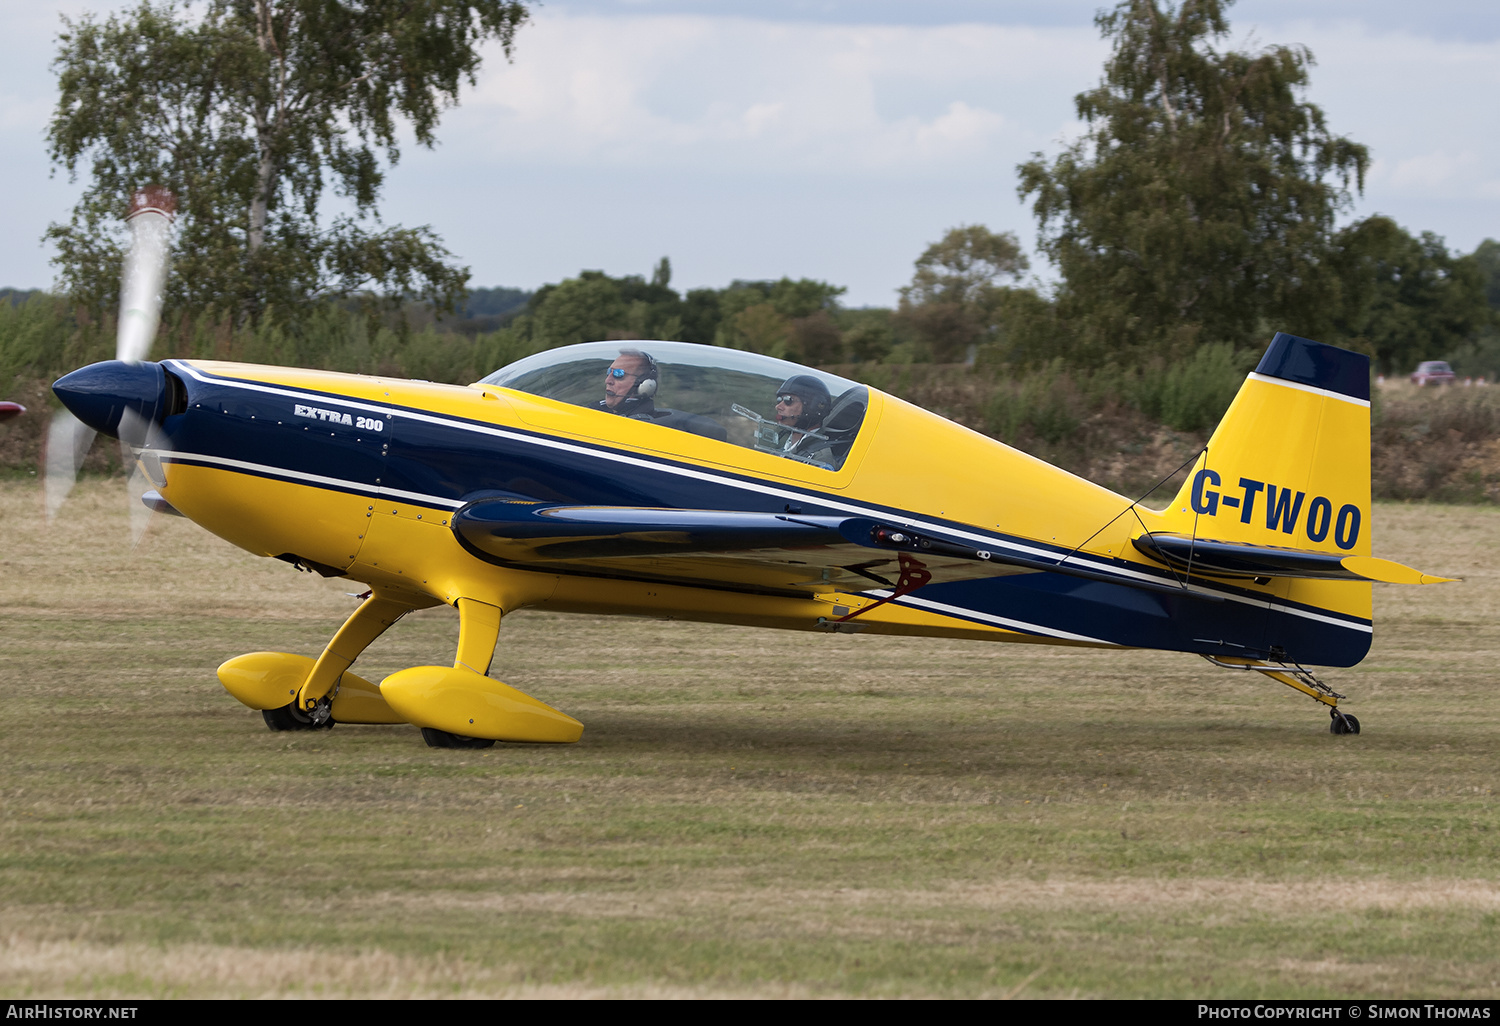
645,385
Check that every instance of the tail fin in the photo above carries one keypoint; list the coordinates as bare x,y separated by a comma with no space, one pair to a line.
1289,465
1279,504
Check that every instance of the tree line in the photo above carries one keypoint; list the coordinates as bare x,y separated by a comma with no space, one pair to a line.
1397,297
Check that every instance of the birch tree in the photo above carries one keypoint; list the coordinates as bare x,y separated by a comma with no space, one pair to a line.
1200,203
250,110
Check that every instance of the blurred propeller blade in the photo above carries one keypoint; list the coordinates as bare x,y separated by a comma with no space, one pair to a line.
150,220
68,441
136,487
144,273
137,440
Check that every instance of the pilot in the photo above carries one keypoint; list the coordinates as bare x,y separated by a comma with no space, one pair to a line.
629,385
802,402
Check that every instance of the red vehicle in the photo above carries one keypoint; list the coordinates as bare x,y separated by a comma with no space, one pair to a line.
1432,372
9,410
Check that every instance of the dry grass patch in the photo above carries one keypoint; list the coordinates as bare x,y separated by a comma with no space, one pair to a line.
38,968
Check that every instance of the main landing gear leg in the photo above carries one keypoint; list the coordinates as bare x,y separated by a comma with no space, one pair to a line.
460,706
1300,679
478,631
314,701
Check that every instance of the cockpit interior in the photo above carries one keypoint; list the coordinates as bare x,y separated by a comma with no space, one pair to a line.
727,395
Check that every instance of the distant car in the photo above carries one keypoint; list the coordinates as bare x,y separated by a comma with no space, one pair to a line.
9,410
1432,372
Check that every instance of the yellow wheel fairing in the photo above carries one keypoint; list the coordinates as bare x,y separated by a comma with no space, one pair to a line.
270,680
265,680
463,702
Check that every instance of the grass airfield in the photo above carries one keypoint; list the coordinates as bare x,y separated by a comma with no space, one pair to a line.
748,814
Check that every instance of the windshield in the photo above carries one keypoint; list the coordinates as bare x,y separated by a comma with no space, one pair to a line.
725,394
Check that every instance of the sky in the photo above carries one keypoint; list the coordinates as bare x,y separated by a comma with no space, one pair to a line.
829,139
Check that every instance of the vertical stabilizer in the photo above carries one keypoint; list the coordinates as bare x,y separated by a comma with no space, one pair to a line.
1289,466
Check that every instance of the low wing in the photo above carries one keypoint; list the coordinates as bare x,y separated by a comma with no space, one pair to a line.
771,553
1235,559
776,553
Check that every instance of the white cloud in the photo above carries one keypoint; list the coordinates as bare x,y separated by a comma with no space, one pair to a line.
734,93
1439,170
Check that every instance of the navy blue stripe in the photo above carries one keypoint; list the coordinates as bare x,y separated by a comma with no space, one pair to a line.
1306,362
1135,618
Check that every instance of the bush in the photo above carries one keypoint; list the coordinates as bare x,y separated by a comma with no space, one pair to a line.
1191,395
1045,405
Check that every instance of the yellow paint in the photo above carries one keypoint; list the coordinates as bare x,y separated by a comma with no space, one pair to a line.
360,701
270,680
373,617
905,456
463,702
1390,572
265,680
269,517
1309,442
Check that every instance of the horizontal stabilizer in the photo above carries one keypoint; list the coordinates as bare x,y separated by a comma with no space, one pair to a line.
1237,559
1390,572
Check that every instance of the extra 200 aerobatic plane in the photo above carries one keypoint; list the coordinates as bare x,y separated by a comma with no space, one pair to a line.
676,480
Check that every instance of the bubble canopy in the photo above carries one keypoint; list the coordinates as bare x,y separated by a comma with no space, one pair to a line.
723,394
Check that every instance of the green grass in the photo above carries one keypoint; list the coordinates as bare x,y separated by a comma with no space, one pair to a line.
748,813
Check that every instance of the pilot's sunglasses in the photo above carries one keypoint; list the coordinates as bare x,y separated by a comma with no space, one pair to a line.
617,373
785,399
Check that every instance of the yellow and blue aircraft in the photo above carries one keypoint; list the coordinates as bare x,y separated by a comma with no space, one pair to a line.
691,482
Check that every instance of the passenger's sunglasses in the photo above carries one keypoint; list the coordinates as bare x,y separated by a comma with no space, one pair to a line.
785,399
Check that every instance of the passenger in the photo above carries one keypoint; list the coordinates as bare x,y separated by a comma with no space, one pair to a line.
630,384
801,404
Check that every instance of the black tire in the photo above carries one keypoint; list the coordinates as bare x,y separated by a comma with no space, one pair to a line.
1342,723
442,739
289,717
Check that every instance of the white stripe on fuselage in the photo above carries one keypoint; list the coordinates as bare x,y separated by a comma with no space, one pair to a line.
965,613
265,469
780,492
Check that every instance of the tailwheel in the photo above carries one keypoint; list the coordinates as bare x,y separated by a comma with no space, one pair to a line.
289,717
442,739
1342,723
